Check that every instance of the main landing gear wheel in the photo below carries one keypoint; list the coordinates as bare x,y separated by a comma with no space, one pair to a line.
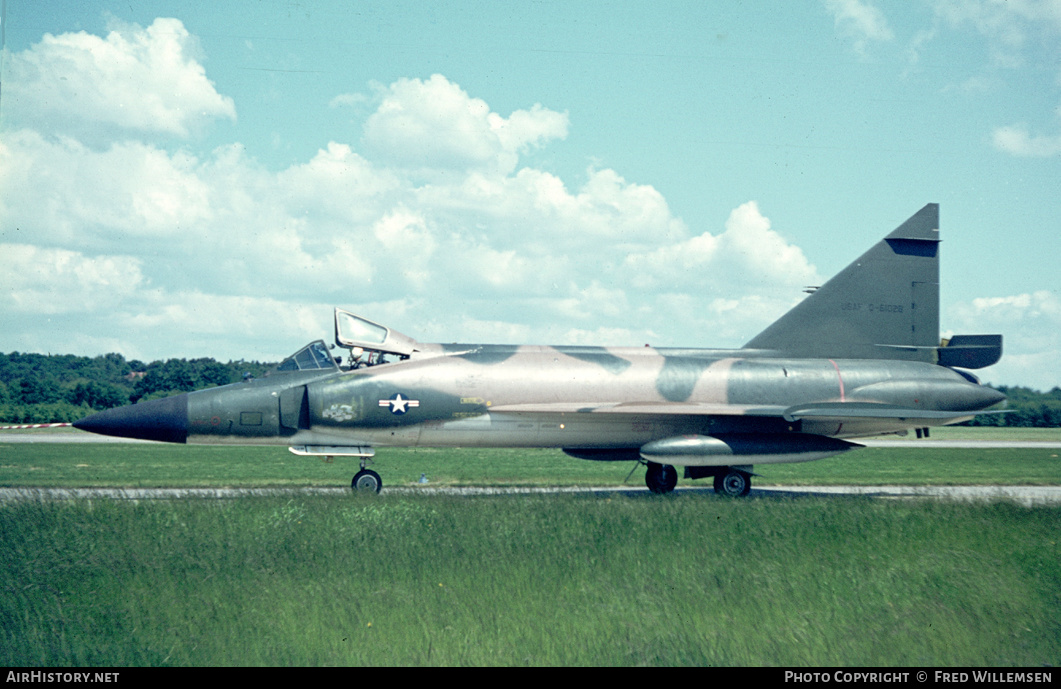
366,480
733,483
661,478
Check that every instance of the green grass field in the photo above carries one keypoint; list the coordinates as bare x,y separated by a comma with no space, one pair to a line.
561,579
529,580
995,433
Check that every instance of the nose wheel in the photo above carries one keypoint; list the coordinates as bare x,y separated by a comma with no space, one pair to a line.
366,480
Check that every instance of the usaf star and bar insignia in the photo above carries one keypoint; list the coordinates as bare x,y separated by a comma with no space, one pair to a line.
399,404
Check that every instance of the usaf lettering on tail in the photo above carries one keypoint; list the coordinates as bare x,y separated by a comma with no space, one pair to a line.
860,356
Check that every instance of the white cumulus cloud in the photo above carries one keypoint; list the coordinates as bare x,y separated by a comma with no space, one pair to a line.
1030,324
860,21
433,125
1017,141
430,222
133,79
53,281
746,254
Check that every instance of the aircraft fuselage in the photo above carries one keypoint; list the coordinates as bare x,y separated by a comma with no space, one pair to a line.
571,397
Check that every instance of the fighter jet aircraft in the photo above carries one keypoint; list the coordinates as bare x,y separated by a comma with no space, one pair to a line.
860,356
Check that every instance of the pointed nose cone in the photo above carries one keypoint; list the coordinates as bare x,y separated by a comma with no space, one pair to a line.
163,419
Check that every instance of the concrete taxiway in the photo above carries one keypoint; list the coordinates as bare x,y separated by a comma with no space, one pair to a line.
962,444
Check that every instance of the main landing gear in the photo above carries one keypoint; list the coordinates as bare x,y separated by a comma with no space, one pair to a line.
661,478
729,481
733,483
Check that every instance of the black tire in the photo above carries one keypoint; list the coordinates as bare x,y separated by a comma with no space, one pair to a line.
733,484
661,478
366,480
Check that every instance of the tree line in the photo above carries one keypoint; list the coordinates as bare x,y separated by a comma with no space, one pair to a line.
59,388
1028,409
48,388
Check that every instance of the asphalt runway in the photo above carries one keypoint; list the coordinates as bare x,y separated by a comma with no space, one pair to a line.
966,444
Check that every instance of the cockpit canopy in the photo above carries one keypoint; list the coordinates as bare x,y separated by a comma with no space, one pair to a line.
353,332
313,357
370,344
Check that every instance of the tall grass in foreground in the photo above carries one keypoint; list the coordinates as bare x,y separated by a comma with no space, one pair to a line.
557,580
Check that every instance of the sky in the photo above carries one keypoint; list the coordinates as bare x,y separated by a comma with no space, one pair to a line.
211,179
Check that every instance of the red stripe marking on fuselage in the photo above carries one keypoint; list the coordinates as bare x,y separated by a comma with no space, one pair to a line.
839,378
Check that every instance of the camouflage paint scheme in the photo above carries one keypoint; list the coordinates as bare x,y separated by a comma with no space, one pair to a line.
859,357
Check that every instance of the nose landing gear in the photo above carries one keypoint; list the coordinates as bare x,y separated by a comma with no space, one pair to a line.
366,480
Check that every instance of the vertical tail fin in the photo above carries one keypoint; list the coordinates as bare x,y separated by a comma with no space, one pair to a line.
885,305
